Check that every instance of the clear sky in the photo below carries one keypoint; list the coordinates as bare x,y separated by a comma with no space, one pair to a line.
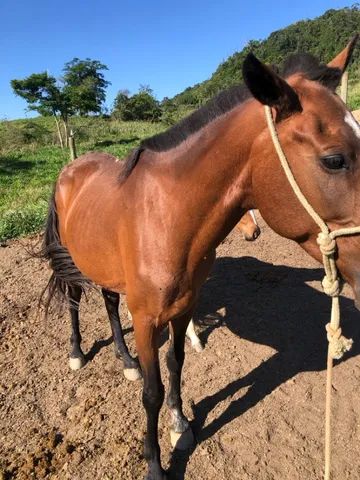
169,45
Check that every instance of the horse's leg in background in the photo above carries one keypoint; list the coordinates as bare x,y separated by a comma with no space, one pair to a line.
180,432
77,358
131,366
195,340
147,337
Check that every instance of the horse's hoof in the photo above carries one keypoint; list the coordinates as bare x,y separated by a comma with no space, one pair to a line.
75,363
198,347
132,374
182,441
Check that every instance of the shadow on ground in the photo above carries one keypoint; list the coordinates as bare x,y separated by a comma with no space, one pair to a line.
270,305
14,165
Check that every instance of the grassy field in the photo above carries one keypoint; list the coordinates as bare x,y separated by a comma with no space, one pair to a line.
30,161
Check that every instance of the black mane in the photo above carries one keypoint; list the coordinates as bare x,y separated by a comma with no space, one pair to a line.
225,101
310,66
222,103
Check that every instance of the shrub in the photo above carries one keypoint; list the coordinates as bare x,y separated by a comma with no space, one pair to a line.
22,222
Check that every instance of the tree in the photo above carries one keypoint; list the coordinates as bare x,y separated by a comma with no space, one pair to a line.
120,103
80,91
85,85
44,96
141,106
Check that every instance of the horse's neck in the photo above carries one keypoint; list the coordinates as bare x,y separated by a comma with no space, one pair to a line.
213,175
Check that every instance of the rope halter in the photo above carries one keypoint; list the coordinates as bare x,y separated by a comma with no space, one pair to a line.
326,240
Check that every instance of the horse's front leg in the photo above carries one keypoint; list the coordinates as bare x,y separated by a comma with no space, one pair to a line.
146,336
180,431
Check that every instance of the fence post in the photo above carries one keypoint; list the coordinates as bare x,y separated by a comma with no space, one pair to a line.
72,145
344,87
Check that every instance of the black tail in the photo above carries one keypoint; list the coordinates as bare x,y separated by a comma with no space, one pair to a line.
65,274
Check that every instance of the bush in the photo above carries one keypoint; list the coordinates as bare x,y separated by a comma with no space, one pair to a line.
15,135
141,106
354,96
172,113
22,222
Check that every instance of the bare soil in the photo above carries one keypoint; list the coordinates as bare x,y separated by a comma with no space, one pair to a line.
256,393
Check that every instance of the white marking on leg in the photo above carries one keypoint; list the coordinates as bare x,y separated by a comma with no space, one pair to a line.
195,340
132,374
129,316
75,363
252,213
182,441
350,120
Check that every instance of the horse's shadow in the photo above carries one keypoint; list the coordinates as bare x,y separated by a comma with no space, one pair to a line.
273,306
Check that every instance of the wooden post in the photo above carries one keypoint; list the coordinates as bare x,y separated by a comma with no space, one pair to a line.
59,131
344,87
72,145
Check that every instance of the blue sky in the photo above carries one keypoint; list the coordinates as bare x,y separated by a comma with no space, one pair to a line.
169,45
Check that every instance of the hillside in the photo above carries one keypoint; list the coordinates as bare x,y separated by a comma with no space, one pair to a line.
323,36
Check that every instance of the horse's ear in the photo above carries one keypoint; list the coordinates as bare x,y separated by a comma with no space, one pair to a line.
269,88
342,60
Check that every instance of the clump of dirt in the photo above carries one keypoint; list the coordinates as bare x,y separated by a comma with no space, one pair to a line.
50,456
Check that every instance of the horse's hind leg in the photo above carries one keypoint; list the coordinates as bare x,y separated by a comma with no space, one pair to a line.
131,366
180,433
77,358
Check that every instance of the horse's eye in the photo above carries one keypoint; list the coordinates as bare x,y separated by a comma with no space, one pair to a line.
334,162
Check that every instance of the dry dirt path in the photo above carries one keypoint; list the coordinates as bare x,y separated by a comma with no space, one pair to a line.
256,393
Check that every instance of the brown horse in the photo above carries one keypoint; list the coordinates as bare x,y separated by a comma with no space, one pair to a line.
250,230
149,228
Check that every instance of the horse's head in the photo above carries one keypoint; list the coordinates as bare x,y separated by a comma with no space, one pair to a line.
321,140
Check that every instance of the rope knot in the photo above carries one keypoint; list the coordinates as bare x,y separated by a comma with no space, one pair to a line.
326,244
338,344
331,287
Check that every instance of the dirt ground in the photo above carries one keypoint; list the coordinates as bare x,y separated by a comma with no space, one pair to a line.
256,393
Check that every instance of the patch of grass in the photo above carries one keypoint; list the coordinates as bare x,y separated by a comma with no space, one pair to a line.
28,169
354,96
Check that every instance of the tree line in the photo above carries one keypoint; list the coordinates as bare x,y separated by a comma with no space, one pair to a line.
323,36
81,90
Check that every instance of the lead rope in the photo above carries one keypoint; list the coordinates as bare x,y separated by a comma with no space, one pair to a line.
326,240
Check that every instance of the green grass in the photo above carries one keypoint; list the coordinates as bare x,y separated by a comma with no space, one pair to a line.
29,168
354,96
30,160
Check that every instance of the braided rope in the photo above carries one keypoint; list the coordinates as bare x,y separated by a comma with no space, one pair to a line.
326,240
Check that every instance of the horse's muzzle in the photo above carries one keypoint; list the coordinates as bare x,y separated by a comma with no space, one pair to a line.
253,236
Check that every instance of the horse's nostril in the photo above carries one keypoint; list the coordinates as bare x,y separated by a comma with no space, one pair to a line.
256,233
